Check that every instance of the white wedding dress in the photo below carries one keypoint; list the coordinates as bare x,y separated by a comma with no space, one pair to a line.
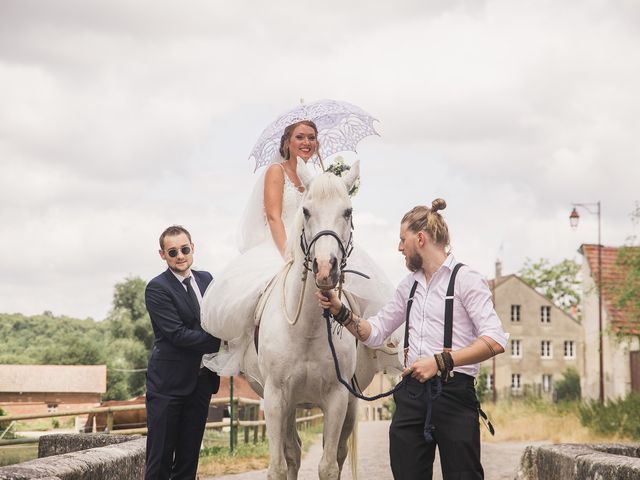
229,303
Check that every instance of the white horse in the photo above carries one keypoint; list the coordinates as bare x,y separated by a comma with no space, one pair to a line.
293,366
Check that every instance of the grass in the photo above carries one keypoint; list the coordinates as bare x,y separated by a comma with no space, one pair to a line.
536,420
216,460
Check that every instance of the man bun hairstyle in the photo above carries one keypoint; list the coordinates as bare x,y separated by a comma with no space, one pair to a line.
172,231
438,204
286,137
424,219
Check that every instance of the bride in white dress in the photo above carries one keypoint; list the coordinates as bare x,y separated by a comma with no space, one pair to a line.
229,303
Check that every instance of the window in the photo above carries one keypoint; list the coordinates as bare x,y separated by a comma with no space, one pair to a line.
545,349
515,381
515,313
489,382
547,383
545,314
569,349
515,349
52,407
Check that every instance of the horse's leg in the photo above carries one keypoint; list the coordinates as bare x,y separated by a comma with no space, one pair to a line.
347,428
276,413
335,410
292,447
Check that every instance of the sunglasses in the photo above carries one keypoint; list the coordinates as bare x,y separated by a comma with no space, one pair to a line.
173,252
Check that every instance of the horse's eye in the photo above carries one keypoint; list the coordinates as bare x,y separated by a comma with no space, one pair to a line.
306,213
347,213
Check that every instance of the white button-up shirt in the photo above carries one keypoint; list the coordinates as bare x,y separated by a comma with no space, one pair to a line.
473,314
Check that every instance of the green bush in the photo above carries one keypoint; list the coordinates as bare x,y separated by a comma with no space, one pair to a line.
617,417
568,389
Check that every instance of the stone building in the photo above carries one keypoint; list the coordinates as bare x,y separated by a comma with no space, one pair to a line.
544,340
26,389
621,347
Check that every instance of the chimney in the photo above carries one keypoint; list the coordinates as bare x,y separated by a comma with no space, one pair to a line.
498,269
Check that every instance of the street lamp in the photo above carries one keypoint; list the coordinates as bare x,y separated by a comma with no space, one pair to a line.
573,219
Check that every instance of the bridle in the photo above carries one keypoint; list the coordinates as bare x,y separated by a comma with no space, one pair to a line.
345,249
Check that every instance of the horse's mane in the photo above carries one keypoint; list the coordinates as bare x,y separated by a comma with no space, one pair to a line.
323,187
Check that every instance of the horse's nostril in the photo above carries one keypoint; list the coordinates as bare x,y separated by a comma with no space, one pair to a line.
315,266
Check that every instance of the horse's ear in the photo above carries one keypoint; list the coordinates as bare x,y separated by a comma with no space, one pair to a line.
304,174
354,173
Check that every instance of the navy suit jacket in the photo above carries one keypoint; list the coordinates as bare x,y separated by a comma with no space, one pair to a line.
179,342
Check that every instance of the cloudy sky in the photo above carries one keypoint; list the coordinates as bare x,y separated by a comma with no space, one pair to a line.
121,117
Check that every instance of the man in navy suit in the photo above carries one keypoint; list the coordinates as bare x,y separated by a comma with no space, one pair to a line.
179,389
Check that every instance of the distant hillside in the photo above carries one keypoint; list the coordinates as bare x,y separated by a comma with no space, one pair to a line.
46,339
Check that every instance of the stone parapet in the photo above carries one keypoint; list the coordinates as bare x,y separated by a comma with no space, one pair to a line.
83,457
580,462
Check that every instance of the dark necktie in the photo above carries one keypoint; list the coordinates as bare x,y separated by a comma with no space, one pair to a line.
192,295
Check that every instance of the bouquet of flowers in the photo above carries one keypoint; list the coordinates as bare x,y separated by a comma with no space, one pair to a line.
339,168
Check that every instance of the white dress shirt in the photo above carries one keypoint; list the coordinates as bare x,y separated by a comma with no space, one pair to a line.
473,314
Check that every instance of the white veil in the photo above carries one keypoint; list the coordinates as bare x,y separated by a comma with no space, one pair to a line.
252,229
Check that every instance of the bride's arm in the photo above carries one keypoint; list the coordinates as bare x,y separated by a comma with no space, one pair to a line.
273,189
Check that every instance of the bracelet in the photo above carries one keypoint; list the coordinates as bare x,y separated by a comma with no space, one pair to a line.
349,320
444,362
342,314
493,352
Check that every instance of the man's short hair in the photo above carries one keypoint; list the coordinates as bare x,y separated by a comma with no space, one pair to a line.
172,231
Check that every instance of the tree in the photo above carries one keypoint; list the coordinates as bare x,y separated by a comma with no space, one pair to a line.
568,388
129,294
559,282
129,314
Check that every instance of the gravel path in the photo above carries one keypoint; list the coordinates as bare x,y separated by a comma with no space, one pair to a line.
500,460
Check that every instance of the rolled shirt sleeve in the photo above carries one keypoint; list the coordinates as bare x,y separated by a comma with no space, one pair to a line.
478,302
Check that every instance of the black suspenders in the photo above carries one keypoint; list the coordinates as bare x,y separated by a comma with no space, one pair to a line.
448,313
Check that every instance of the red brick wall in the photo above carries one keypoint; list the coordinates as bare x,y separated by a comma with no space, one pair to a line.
27,403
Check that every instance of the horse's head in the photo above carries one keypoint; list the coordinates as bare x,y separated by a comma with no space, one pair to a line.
326,224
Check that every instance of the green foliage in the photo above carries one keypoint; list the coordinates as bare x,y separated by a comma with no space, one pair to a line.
129,295
36,339
125,354
568,389
617,417
559,282
482,386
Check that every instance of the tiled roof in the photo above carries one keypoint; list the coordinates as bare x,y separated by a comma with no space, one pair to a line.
613,274
53,378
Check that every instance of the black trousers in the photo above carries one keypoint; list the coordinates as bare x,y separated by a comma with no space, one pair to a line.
175,429
456,432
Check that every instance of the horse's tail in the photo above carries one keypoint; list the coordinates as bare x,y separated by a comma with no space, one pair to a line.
353,449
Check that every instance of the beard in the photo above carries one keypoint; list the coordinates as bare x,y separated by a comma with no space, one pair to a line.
414,262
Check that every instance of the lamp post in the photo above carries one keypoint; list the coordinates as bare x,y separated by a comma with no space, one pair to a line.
573,219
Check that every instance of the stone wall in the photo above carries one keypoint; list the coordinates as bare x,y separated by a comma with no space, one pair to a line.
580,462
83,457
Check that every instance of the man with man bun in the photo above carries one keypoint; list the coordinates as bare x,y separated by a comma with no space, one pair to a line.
451,327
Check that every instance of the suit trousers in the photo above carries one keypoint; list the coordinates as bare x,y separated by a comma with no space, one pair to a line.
456,432
175,429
